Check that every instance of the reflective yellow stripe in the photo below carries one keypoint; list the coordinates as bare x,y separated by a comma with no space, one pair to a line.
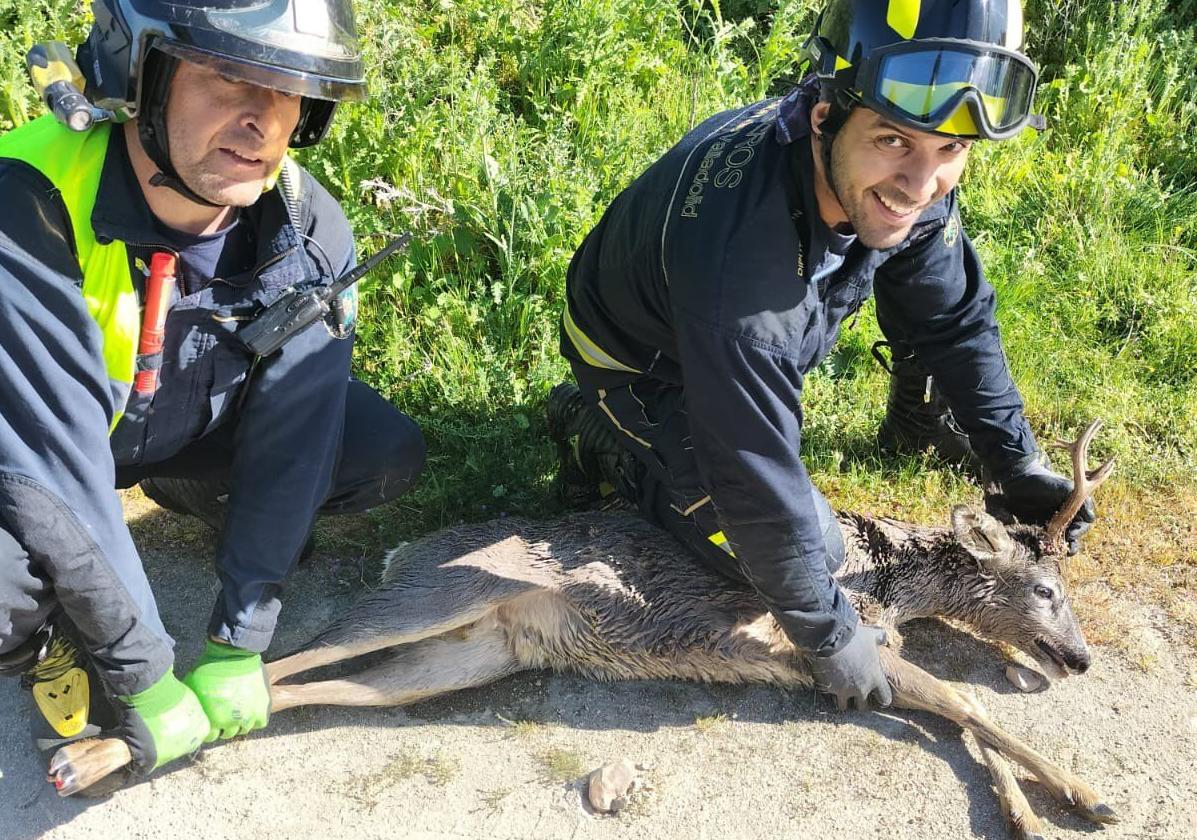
841,63
591,353
903,16
721,541
603,405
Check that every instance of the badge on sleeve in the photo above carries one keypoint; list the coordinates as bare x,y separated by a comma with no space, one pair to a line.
951,231
342,314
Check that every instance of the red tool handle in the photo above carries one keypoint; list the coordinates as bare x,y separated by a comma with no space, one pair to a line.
159,289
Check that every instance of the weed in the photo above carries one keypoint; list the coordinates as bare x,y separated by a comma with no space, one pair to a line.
440,770
561,766
368,788
527,728
710,723
492,799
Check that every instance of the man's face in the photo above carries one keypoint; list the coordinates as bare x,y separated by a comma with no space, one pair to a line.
226,137
885,174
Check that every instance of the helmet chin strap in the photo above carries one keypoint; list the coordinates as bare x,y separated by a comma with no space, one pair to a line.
151,125
829,129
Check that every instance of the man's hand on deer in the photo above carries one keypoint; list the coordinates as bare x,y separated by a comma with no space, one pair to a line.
160,724
1037,492
231,686
854,672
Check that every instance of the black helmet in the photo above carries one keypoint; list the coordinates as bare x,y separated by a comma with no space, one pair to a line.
951,67
304,47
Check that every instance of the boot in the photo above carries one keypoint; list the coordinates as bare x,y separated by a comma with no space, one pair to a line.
205,499
916,415
593,467
70,702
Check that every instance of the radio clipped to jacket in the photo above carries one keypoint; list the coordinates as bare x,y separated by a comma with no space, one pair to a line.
278,323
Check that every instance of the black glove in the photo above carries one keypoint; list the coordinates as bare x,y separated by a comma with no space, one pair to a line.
854,671
1036,493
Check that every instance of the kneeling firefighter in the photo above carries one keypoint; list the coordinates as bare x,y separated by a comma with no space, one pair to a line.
142,233
721,277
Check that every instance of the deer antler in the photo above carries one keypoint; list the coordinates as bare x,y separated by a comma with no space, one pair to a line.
1084,483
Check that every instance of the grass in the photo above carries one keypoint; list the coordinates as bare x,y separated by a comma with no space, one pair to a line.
499,130
492,800
707,724
527,728
561,766
369,788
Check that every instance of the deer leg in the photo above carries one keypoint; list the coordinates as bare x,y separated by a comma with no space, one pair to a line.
459,659
1023,822
914,688
79,765
399,615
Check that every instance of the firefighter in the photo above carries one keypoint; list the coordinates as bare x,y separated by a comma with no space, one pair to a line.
205,99
722,276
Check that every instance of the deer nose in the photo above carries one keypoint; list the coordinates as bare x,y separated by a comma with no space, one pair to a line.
1078,662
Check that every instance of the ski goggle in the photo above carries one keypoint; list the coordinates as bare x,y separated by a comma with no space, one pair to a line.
946,86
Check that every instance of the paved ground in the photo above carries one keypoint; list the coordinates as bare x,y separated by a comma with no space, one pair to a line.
504,761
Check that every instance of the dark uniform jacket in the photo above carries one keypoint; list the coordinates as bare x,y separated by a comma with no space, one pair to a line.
705,273
57,461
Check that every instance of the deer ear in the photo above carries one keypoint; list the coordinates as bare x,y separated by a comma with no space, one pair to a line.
984,538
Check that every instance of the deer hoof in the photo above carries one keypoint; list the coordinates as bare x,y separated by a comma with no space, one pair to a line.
80,769
1100,813
1025,830
1024,679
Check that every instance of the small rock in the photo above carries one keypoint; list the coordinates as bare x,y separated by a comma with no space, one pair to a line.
1024,679
608,787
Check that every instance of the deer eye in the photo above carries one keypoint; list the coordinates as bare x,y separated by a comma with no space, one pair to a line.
1043,592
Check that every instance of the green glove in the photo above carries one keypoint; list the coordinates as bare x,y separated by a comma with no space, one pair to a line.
231,686
162,723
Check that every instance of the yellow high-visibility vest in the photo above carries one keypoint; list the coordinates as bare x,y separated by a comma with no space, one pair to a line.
72,161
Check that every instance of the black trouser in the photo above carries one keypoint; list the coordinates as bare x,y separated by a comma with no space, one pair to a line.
382,452
649,420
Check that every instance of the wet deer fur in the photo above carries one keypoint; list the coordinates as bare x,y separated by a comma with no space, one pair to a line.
611,597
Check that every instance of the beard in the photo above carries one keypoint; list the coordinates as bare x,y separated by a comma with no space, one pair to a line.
210,184
210,174
861,204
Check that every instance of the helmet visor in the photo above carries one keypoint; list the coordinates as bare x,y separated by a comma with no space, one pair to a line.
925,88
305,47
297,82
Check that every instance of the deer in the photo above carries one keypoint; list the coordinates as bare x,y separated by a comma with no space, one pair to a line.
606,595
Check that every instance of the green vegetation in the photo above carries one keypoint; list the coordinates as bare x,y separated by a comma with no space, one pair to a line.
707,724
559,766
498,131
